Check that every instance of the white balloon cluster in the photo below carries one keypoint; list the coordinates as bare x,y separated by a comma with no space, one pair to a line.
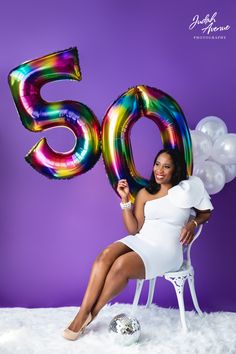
214,153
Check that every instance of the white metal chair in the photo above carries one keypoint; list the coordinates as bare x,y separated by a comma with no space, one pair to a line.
177,278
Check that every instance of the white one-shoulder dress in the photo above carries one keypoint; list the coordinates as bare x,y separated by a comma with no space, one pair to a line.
157,243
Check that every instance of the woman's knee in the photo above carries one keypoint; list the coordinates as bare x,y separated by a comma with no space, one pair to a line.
112,252
129,266
119,267
106,257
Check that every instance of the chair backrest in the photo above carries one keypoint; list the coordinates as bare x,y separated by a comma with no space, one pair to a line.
187,248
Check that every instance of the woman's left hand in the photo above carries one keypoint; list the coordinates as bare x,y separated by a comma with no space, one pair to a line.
187,233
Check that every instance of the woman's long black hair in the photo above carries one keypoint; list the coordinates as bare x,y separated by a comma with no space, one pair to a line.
179,174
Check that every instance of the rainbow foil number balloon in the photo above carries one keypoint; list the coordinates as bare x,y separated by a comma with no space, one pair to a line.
154,104
141,101
36,115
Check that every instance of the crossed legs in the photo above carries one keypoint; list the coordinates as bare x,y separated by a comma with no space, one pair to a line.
109,275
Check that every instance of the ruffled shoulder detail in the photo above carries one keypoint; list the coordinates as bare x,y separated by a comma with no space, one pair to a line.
190,193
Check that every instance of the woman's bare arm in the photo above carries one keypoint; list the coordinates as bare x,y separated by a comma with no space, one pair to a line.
187,232
202,215
133,218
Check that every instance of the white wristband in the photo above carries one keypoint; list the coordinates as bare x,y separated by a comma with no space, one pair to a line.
127,205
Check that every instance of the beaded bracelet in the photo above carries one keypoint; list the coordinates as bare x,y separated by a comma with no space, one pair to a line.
195,222
127,205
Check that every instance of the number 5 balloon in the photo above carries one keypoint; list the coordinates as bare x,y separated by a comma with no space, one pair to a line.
37,115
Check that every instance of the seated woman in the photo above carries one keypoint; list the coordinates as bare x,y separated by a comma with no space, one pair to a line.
158,226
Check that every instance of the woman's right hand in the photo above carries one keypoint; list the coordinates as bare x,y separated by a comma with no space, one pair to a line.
123,190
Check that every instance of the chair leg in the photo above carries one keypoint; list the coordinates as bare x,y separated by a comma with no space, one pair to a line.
178,283
139,285
193,293
152,283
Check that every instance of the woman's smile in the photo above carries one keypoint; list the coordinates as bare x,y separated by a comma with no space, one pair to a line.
159,176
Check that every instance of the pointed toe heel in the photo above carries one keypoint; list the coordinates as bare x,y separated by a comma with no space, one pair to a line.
71,335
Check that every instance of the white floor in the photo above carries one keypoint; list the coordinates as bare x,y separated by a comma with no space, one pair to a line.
38,331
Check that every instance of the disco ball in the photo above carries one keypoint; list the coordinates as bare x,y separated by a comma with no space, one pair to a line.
125,329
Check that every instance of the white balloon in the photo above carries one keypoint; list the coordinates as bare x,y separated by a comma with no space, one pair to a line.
224,149
212,126
201,145
230,172
212,175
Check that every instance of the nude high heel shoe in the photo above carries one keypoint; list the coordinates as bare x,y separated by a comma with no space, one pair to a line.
71,335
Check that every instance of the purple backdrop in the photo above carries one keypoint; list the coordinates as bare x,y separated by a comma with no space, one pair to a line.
51,231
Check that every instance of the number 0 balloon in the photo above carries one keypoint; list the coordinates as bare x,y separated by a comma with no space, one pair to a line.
154,104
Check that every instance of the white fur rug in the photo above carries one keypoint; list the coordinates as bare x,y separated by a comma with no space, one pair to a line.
38,331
